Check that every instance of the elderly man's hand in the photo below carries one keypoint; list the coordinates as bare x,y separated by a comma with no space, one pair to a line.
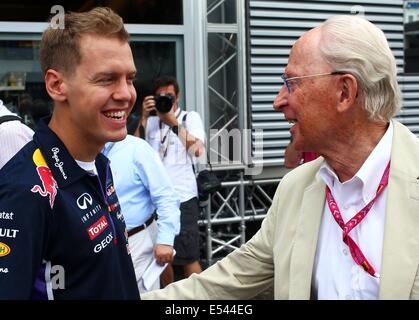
163,253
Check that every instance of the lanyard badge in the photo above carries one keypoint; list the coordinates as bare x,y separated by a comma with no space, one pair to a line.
164,138
356,252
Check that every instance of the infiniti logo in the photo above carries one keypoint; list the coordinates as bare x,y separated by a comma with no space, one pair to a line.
83,200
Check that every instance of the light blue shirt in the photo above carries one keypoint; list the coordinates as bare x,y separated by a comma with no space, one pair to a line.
143,185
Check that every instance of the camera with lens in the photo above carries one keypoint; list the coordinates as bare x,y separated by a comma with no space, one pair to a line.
164,103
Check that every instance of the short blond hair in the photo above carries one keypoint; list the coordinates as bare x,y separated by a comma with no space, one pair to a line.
60,48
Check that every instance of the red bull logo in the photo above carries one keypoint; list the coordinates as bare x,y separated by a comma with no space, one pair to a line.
110,190
48,187
113,207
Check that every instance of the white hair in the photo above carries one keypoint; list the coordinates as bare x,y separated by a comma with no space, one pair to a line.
354,45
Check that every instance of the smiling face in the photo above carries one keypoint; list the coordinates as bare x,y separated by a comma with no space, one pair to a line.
99,94
311,104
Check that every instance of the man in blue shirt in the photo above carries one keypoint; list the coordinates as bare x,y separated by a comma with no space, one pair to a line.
178,136
62,233
143,185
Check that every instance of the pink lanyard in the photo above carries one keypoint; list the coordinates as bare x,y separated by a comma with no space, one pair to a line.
356,252
163,151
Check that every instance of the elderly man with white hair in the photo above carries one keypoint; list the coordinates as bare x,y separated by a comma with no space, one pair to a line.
344,226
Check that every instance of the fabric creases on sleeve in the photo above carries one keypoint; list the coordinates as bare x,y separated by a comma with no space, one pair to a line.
155,178
23,232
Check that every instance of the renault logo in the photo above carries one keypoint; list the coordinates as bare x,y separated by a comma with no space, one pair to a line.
83,200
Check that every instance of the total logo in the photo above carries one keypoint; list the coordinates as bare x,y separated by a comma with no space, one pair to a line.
97,228
4,249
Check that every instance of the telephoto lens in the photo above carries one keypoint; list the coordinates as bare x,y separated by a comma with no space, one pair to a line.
164,102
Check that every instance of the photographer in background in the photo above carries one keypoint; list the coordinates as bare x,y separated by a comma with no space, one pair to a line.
178,137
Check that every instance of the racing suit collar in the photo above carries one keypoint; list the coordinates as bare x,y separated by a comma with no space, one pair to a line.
62,165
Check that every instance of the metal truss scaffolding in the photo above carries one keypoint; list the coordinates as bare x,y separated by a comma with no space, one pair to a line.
238,204
241,202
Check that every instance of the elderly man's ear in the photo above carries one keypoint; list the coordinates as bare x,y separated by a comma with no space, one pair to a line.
55,85
347,92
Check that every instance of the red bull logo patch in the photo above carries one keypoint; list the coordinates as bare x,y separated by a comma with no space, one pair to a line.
110,191
113,207
48,187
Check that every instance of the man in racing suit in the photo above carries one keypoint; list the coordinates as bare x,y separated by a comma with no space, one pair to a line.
62,234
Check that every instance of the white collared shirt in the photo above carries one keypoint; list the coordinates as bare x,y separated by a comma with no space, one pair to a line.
90,167
174,156
336,275
13,136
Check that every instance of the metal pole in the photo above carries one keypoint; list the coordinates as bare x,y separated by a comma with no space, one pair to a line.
261,215
242,209
209,233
